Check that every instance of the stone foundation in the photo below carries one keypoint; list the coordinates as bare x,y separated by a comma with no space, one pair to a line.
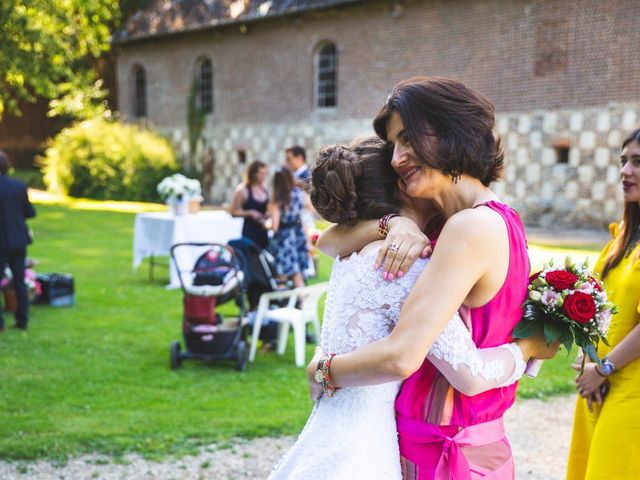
583,192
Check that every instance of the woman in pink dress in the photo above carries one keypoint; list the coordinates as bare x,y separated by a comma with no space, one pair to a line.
444,151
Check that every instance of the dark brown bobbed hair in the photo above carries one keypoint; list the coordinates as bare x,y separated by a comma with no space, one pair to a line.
356,181
251,172
283,185
629,224
461,119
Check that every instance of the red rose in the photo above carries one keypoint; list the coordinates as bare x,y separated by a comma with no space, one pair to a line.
580,307
561,279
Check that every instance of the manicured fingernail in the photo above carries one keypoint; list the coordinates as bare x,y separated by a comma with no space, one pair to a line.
400,274
390,277
384,275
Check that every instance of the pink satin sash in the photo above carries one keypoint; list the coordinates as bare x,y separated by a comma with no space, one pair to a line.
415,436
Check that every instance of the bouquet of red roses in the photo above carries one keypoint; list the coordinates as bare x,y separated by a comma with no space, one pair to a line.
568,304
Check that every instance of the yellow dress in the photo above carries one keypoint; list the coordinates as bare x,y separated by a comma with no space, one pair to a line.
606,442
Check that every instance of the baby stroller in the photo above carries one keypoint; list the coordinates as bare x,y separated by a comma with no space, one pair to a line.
258,267
215,279
259,270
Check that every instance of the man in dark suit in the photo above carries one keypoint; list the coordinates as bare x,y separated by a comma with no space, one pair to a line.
14,237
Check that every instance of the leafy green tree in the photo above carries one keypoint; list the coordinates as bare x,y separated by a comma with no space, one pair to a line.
196,120
51,49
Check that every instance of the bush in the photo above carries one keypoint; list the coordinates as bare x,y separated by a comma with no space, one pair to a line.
108,161
31,176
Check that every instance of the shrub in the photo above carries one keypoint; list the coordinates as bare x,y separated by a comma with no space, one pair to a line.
31,176
108,160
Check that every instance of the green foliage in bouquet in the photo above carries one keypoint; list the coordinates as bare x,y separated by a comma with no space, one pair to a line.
108,160
569,305
556,327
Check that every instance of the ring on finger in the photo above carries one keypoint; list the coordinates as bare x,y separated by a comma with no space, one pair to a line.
394,247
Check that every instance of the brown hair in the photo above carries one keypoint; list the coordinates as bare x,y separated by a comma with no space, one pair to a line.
297,151
461,119
354,182
251,172
629,224
283,185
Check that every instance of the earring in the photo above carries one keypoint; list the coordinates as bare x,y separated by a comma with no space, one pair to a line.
455,176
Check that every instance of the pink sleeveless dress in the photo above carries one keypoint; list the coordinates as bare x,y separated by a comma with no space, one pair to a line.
444,434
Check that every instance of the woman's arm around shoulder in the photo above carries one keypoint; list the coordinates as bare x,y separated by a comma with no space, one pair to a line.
472,246
464,255
342,240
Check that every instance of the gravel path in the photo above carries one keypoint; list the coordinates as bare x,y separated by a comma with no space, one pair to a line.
539,431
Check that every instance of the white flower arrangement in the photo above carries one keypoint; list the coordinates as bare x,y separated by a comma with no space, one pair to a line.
177,187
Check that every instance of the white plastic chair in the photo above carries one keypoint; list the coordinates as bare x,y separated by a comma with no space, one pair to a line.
289,316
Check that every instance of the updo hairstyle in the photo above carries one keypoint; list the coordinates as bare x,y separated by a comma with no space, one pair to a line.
354,182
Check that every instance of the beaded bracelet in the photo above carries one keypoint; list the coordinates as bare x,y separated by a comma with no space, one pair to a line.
383,224
323,375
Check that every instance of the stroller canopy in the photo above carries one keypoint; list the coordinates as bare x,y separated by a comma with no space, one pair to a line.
216,272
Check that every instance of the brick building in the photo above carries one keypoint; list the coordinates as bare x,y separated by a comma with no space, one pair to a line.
564,76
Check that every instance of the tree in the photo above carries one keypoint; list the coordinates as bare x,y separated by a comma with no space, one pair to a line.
50,49
196,120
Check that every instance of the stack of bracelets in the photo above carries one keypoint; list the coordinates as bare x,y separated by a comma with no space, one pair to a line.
383,224
323,377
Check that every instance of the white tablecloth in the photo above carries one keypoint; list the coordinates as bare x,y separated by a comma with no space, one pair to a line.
154,234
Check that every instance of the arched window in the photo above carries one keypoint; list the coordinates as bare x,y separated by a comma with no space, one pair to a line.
205,86
327,76
139,92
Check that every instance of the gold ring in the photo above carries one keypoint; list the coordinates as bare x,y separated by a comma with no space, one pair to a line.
394,247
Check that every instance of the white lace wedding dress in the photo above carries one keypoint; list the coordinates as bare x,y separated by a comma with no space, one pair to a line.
353,435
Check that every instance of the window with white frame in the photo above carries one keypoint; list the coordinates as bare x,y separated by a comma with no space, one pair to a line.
327,76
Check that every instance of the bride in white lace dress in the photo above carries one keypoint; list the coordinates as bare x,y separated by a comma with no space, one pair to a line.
353,435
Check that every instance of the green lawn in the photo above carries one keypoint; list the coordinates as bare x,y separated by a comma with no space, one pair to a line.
96,376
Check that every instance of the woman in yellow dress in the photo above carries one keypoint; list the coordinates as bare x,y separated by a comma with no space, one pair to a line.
606,429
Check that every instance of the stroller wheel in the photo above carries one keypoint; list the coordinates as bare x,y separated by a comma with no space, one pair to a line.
176,357
241,356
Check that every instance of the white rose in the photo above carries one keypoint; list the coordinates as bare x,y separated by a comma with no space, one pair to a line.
535,295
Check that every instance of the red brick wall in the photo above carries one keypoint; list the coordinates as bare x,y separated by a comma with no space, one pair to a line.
523,55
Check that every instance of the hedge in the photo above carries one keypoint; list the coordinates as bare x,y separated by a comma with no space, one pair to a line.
108,160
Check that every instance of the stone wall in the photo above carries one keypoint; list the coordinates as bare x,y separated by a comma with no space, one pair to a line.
584,192
264,141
